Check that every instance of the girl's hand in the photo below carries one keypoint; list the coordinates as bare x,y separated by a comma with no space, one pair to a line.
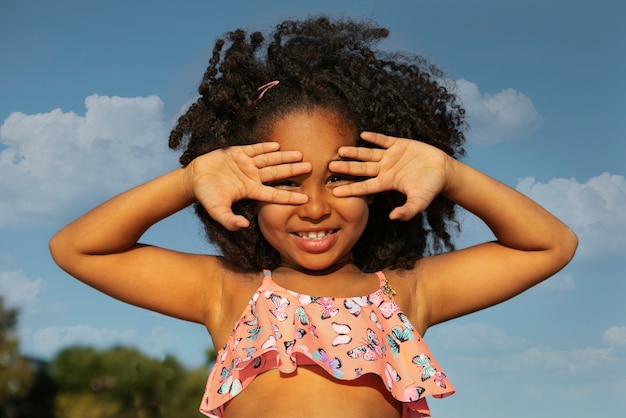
416,169
224,176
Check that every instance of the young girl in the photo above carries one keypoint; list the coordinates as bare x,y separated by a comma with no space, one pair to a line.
326,173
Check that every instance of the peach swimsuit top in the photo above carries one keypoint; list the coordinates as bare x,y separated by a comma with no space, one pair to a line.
346,337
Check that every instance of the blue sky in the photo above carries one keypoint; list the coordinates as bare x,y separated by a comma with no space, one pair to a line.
90,89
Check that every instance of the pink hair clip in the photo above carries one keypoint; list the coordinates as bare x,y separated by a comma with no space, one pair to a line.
264,88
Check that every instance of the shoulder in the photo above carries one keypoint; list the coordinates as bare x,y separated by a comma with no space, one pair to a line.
410,286
227,296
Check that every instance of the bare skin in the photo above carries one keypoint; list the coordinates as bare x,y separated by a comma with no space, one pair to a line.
100,248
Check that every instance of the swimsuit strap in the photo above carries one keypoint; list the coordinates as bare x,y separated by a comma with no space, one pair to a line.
384,284
381,278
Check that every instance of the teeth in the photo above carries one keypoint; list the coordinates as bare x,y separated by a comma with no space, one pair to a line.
314,235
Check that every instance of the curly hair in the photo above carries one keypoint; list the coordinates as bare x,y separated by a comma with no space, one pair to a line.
325,64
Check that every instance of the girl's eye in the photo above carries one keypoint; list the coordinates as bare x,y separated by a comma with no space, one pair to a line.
341,178
282,184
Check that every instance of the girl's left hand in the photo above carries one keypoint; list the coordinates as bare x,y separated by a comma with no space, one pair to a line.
418,170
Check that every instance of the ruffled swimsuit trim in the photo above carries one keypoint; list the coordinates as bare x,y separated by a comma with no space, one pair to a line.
347,337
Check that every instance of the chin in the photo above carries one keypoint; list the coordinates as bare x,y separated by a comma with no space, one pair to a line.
319,265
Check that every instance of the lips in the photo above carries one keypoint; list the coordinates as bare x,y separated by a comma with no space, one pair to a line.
315,241
314,235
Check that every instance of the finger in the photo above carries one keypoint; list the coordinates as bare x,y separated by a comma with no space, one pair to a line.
283,197
359,188
361,153
411,207
283,171
225,216
259,148
355,168
276,158
381,140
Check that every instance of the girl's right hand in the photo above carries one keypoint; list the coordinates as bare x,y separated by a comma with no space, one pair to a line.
224,176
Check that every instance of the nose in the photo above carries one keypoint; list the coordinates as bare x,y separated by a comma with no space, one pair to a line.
318,206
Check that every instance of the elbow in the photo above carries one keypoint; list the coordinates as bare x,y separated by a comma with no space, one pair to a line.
571,243
55,248
59,250
567,245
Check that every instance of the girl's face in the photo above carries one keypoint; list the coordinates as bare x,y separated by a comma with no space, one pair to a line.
321,232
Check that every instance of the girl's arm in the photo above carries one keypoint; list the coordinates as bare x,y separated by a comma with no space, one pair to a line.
530,245
101,247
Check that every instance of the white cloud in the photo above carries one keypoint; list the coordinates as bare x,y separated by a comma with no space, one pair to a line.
20,291
47,342
540,360
615,336
479,347
52,161
26,294
594,210
475,337
496,117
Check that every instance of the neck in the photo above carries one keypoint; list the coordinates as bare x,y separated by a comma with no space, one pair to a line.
345,266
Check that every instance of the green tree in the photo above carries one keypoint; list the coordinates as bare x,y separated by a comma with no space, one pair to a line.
16,375
39,402
122,382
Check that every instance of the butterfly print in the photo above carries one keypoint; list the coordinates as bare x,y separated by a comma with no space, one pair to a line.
413,394
398,335
376,298
298,334
301,315
439,379
232,386
388,308
342,331
375,320
354,305
254,330
406,321
280,304
228,384
391,376
236,343
269,343
303,299
238,324
277,333
223,353
370,351
250,351
428,371
328,304
334,364
253,323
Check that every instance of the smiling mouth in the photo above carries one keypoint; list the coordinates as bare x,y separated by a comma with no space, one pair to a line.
314,235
